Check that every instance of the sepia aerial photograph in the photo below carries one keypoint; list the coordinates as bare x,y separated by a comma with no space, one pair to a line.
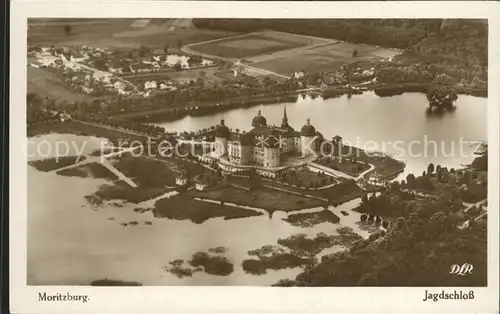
257,152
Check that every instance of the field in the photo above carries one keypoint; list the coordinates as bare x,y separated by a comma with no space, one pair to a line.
180,76
320,58
118,33
48,84
284,53
265,198
249,45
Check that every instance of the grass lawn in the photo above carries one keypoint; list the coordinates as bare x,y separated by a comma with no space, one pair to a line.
308,220
92,170
122,191
384,165
185,207
79,128
48,84
340,193
287,64
55,163
347,166
247,46
116,33
146,172
265,198
308,178
322,58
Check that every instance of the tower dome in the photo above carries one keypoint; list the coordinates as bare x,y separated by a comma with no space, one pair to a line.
222,130
259,120
308,129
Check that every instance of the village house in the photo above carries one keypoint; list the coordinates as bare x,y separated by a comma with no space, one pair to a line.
298,75
150,85
201,183
102,76
77,58
141,68
115,66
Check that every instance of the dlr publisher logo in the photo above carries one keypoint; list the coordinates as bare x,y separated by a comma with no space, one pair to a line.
463,270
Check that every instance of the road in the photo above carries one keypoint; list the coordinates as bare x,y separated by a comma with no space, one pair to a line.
103,160
470,205
187,49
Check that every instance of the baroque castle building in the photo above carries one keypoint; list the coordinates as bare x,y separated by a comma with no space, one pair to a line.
265,145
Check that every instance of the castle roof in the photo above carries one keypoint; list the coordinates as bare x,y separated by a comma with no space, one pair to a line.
308,129
268,130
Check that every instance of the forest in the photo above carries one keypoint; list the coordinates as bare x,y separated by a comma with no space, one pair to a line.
393,33
456,48
418,250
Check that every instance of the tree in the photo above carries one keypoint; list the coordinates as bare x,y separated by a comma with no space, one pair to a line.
441,97
67,29
307,248
165,48
427,184
178,66
143,51
410,179
364,199
430,168
438,169
354,53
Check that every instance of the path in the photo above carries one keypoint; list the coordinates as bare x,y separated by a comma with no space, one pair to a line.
188,49
470,205
103,160
261,71
362,174
118,173
335,173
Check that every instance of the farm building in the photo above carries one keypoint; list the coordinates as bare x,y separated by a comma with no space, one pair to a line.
141,68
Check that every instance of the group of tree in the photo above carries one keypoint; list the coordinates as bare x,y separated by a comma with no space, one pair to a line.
425,241
396,33
441,97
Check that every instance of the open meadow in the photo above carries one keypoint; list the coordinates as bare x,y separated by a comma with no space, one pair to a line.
118,33
319,58
48,84
254,44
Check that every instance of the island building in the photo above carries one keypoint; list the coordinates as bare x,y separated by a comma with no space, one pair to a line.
270,150
181,179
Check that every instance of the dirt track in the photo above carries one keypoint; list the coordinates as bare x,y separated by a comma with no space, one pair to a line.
258,58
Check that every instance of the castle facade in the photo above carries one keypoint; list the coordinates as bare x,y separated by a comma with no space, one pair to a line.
265,145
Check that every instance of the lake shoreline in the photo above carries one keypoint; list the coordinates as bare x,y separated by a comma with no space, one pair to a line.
201,109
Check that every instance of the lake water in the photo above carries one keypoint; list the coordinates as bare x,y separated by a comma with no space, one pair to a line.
397,125
71,243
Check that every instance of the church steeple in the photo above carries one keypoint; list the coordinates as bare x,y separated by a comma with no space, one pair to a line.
284,121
